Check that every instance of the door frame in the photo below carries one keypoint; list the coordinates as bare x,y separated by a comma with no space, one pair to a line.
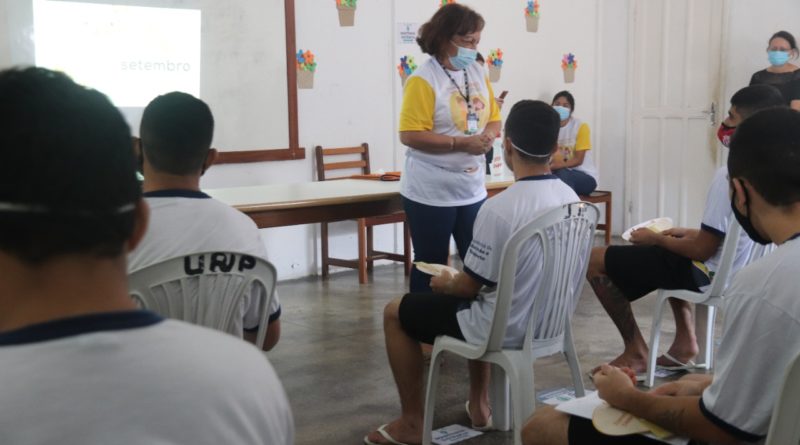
719,99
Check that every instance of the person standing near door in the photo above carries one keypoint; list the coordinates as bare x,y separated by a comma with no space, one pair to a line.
781,73
449,120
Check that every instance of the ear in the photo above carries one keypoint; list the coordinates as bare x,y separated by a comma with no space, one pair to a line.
137,146
211,157
508,153
141,218
739,194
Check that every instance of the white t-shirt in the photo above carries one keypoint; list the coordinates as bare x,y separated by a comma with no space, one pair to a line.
717,216
575,137
134,378
434,102
184,222
762,325
497,220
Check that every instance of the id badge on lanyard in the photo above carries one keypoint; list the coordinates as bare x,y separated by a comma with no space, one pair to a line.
472,123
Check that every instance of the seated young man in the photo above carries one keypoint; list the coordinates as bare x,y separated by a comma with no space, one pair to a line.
462,305
677,258
176,133
80,363
735,404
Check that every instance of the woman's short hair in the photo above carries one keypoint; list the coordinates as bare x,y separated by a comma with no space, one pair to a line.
450,20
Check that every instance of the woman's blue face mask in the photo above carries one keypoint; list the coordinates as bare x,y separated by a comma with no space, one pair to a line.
778,58
563,112
464,58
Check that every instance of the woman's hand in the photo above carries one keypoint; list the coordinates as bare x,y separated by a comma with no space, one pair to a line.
477,144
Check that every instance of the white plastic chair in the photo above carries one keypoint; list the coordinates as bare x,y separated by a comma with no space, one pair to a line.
206,289
566,235
706,304
784,427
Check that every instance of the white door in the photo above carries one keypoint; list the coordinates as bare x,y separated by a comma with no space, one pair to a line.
675,58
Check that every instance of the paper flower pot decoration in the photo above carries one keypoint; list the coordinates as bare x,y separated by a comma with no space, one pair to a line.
569,64
406,68
446,2
347,12
495,63
306,67
532,16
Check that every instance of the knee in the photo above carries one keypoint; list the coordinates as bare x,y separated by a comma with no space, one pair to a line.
546,427
391,312
597,263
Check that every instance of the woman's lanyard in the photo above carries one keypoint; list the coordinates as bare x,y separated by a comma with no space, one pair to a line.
472,118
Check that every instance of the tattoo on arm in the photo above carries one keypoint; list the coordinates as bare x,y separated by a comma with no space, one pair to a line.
617,306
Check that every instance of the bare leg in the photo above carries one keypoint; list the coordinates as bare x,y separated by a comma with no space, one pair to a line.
619,309
479,376
405,359
546,427
684,347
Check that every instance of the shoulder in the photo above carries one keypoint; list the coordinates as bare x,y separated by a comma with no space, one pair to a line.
757,76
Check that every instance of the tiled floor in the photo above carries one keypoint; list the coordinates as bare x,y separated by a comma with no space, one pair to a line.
332,361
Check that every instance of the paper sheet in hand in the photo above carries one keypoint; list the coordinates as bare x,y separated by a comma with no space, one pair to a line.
434,269
657,225
556,396
453,434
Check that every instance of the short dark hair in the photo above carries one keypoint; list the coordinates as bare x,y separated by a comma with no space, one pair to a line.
754,98
450,20
533,127
68,170
786,35
566,95
176,133
765,150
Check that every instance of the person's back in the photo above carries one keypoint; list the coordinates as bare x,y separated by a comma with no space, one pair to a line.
81,364
174,152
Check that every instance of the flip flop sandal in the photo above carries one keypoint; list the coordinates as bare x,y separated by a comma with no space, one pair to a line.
679,365
382,431
488,427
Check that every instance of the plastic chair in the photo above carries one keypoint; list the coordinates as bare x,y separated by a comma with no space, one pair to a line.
706,304
566,235
783,427
206,289
366,253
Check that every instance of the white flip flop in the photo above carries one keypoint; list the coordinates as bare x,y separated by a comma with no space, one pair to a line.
382,431
488,427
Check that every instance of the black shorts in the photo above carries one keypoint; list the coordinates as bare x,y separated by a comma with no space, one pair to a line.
582,432
426,315
639,270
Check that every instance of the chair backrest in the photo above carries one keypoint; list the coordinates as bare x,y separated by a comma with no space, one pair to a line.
729,246
784,427
566,235
323,167
207,289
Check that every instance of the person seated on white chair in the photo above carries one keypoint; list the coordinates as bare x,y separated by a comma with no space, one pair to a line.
175,150
677,258
79,362
762,313
462,305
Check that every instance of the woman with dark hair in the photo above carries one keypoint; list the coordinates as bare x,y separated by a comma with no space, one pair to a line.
448,121
782,74
573,163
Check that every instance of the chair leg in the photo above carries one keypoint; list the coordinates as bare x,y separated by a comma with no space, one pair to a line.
500,399
430,396
362,251
608,221
655,337
572,360
523,394
705,316
323,241
370,248
407,248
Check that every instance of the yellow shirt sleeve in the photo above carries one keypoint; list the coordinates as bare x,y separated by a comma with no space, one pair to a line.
583,141
495,115
419,102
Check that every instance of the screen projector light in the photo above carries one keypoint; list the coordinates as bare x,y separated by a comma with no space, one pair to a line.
130,53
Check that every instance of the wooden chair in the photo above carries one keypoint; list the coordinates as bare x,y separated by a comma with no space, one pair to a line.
366,253
604,197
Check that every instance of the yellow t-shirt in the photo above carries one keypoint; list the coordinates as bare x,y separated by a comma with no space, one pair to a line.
574,137
434,102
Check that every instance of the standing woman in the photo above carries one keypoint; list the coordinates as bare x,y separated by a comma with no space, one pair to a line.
782,74
573,163
448,121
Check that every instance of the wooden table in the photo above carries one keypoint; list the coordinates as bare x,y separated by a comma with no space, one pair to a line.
277,205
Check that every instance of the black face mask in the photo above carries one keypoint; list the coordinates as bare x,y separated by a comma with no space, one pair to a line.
745,222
